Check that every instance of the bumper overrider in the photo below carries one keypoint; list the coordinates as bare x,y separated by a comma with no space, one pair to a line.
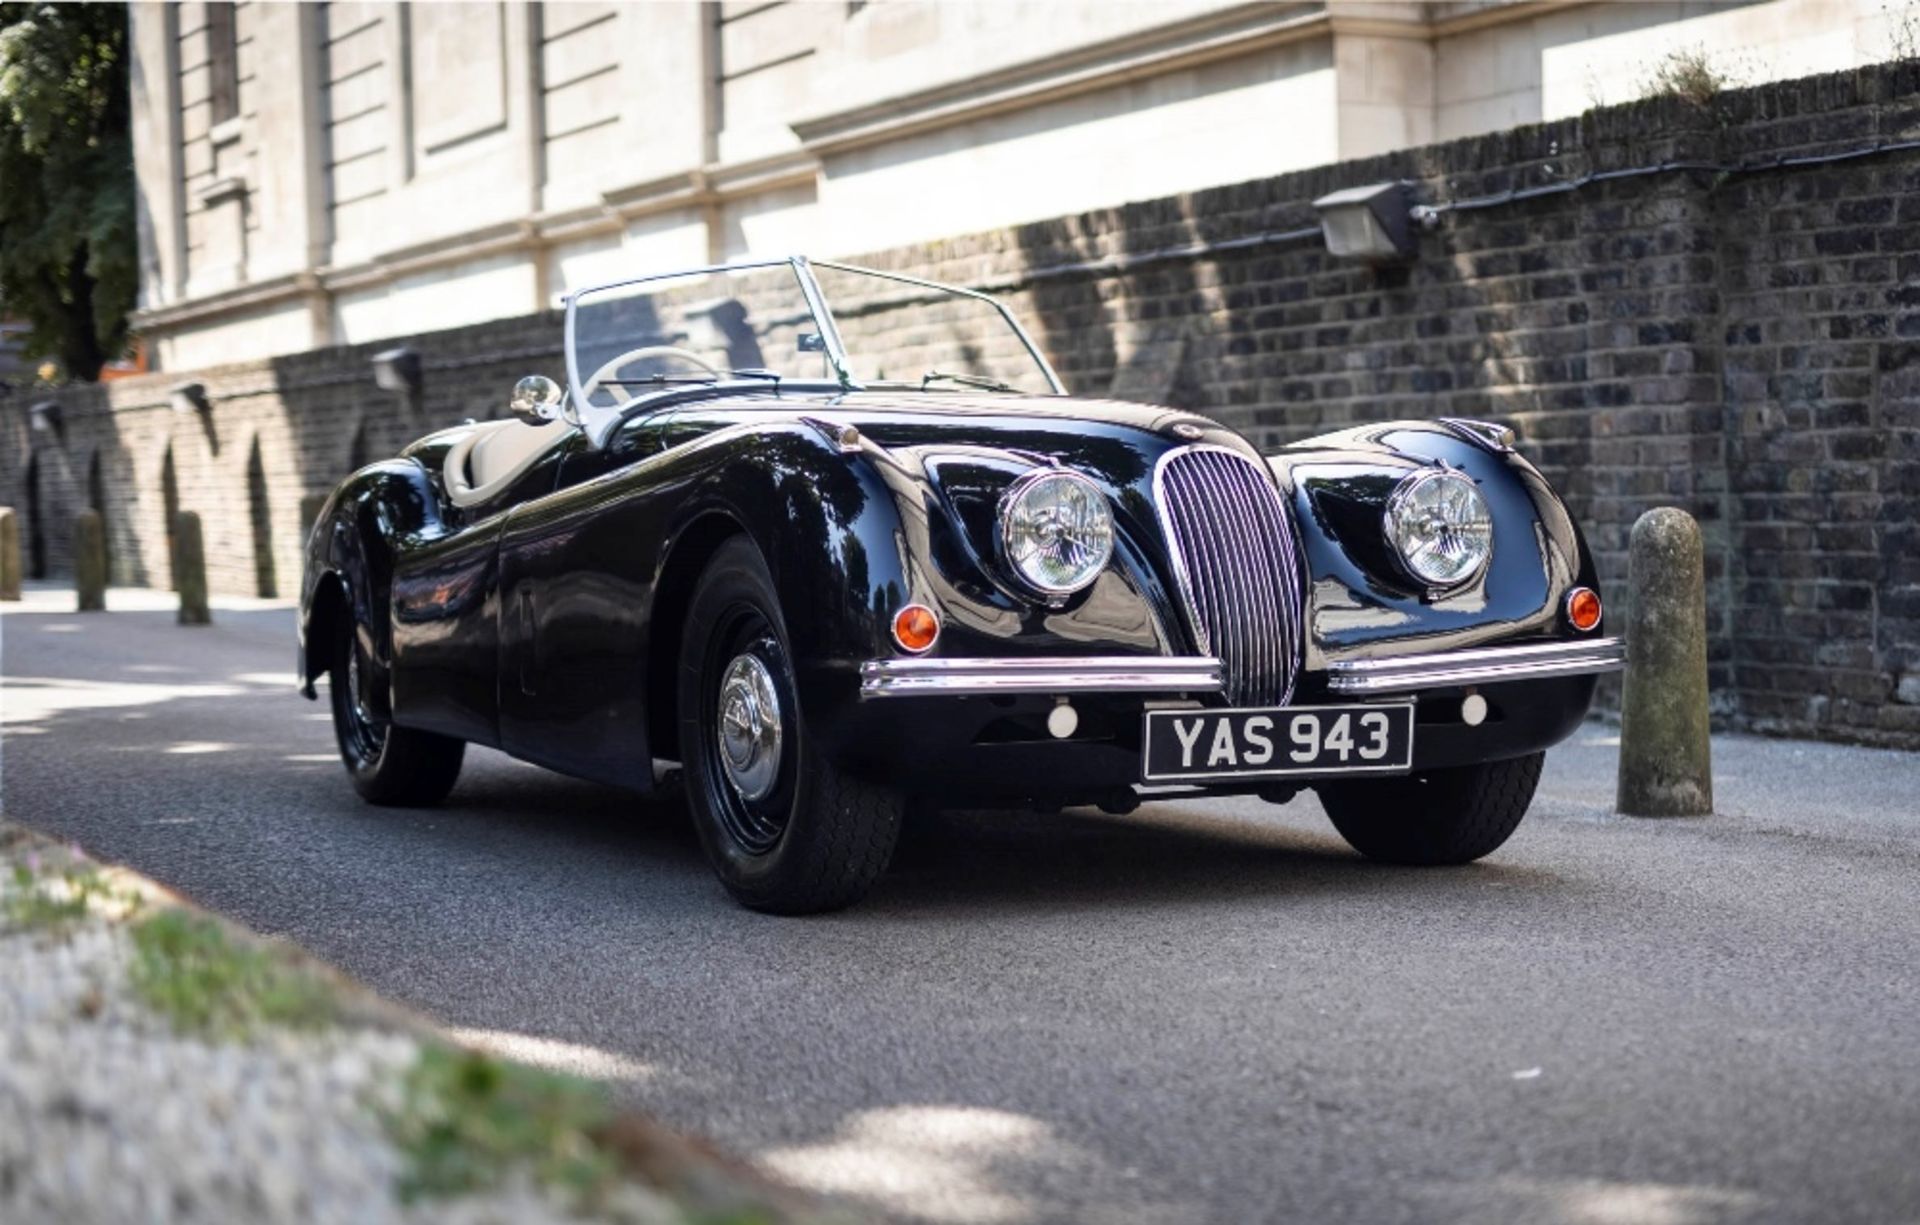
1070,675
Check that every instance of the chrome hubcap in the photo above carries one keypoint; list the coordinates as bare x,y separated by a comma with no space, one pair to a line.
749,727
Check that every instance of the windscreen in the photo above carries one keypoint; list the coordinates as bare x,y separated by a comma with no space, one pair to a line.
901,332
640,337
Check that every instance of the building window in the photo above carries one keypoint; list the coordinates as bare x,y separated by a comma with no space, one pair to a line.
223,87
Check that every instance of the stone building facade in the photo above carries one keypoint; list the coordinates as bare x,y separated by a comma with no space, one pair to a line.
329,173
1727,319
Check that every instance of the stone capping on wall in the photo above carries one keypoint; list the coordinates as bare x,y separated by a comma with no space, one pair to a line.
1745,346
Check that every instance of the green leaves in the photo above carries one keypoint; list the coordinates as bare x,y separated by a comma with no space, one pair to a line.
69,259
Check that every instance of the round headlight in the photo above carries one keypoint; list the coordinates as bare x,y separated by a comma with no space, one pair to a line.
1057,530
1439,522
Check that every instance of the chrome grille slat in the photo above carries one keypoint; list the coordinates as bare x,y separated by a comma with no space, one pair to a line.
1233,579
1259,659
1238,568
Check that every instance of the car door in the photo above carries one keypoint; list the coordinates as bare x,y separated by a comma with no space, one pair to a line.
445,604
573,575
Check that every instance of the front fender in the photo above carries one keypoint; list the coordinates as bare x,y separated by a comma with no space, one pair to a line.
354,541
1359,603
595,579
829,523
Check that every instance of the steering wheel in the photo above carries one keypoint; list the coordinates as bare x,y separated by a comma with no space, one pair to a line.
633,355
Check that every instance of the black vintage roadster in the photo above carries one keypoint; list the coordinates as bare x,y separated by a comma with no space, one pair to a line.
836,541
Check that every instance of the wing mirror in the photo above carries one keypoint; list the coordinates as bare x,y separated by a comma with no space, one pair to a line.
537,400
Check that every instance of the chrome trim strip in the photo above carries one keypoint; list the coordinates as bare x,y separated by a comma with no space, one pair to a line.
1058,674
1476,666
824,320
1487,435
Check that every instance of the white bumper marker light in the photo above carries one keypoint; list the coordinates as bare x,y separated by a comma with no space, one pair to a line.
1063,720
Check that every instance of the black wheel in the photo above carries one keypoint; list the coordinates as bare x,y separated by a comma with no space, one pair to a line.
786,832
388,765
1437,816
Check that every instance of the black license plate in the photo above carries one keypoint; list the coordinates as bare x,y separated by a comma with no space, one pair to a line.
1196,745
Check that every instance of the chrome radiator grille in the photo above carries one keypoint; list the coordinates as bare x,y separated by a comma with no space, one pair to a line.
1239,569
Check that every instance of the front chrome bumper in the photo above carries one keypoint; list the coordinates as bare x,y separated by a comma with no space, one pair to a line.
1201,674
1064,674
1476,666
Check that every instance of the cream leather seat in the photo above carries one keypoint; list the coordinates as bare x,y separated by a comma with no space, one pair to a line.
489,460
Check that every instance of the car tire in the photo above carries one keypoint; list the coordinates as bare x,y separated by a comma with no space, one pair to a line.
391,766
1447,816
785,830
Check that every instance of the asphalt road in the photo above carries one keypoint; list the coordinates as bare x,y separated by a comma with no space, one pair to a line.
1202,1012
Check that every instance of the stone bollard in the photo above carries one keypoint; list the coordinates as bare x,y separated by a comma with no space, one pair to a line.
9,554
1666,764
190,569
90,561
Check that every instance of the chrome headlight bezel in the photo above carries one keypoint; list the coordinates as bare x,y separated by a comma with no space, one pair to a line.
1016,498
1475,529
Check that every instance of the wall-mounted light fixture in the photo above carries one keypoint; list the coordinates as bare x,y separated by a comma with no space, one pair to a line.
190,398
397,370
47,417
1379,223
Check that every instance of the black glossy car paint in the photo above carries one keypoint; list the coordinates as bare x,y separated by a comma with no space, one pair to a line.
545,623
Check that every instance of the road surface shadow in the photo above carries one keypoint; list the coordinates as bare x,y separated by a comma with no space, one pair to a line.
1161,854
206,740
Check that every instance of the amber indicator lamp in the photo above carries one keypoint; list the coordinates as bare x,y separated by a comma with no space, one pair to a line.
1583,608
915,628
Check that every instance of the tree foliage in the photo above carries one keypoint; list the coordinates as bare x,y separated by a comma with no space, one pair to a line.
69,261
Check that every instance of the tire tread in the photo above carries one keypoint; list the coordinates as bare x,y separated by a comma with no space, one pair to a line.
1450,816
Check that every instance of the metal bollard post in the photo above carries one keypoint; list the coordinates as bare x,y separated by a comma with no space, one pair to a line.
190,569
9,554
90,561
1666,762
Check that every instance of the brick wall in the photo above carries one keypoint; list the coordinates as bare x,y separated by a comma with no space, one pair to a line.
1743,343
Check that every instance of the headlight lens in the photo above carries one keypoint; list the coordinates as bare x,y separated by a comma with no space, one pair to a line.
1057,530
1439,522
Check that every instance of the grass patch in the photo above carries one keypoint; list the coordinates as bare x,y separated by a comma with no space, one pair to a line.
54,898
197,976
1689,73
465,1119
